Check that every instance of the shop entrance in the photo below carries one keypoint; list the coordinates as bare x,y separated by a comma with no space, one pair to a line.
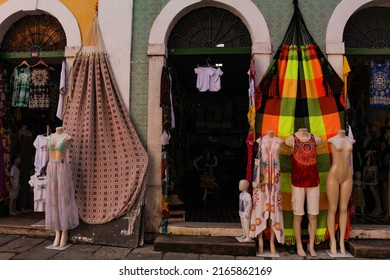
208,144
368,53
31,56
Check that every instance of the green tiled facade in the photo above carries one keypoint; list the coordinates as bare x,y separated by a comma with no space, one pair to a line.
277,14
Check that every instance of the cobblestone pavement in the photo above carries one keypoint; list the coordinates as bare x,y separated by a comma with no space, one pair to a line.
20,247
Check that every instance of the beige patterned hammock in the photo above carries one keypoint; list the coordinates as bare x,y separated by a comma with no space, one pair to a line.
108,160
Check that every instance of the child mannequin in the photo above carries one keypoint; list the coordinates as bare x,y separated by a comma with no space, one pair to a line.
60,210
244,211
339,186
305,185
15,185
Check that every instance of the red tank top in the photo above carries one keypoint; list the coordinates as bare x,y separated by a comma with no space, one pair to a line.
304,172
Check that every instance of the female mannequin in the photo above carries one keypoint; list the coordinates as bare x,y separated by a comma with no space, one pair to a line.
60,210
339,186
266,198
244,210
305,185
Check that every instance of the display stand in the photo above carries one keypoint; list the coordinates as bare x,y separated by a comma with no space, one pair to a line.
58,248
339,255
268,254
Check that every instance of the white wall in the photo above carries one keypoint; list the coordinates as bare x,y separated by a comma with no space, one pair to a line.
115,18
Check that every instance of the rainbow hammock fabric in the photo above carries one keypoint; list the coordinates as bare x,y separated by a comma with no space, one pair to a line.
300,90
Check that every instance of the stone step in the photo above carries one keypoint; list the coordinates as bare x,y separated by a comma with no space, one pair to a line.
370,248
207,229
198,244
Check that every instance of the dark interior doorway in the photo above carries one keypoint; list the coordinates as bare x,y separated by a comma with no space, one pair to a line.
212,123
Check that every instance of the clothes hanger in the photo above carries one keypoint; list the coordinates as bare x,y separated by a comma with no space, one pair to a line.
41,62
24,63
208,63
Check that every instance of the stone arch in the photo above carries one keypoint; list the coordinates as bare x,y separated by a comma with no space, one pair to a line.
13,10
334,34
250,15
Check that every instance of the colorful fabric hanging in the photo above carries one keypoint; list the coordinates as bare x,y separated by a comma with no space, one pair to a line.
107,157
300,90
380,84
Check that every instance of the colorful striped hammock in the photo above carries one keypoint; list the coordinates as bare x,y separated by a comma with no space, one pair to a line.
300,90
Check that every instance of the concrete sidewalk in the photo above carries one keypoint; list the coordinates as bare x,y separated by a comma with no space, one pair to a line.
20,247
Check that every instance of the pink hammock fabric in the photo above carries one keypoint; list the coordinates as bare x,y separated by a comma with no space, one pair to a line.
108,160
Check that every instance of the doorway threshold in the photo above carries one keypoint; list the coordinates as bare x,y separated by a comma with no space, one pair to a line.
31,224
204,229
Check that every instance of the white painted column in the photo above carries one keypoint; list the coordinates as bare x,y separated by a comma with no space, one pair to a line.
335,55
153,192
115,18
262,56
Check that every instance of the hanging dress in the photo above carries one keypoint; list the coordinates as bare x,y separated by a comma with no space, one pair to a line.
380,85
20,79
39,94
267,199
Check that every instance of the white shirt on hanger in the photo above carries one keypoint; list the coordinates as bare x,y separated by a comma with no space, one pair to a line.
41,153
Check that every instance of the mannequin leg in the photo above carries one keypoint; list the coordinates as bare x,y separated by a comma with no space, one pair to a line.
261,243
272,242
378,209
312,233
345,194
246,230
297,234
204,194
332,192
11,207
243,228
57,238
64,238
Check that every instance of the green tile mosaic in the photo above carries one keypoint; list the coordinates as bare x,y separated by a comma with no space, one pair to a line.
277,14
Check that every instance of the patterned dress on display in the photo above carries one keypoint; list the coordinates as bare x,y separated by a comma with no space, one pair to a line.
266,198
39,89
380,85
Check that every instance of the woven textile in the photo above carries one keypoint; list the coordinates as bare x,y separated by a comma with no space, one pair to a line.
108,160
300,90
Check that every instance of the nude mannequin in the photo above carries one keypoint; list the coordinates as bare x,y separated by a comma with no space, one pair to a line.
245,211
339,186
61,236
304,135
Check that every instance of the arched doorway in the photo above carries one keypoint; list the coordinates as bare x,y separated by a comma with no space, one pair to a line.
367,48
31,56
211,124
157,52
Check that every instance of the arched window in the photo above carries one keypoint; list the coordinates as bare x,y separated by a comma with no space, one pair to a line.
34,33
368,28
209,28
